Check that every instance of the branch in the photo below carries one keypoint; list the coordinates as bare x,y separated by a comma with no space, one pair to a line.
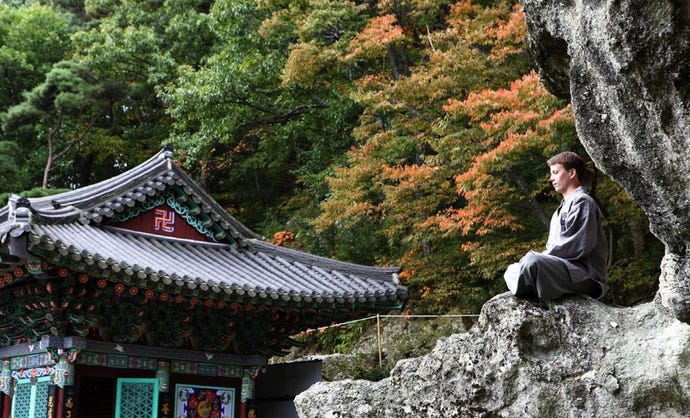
52,156
286,116
428,36
81,136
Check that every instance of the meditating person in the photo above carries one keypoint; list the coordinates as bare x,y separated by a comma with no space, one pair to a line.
576,255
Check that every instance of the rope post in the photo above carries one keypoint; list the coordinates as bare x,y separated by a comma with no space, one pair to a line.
378,332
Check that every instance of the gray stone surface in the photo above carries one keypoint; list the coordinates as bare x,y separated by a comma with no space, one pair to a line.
578,358
625,66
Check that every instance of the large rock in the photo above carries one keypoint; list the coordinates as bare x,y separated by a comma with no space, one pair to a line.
578,358
625,66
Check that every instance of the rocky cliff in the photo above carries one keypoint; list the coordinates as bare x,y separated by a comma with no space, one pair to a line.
576,358
625,66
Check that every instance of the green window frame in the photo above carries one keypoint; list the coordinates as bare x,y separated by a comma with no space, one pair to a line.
30,399
136,398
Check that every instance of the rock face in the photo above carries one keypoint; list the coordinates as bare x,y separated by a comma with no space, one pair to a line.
576,358
625,66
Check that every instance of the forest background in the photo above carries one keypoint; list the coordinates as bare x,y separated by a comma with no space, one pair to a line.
382,132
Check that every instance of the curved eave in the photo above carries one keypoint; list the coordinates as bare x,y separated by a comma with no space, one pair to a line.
261,271
82,202
103,200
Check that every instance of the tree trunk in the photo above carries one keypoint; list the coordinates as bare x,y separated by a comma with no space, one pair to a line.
51,152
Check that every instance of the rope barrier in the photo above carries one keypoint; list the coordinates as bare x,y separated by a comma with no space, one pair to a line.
431,316
378,325
369,318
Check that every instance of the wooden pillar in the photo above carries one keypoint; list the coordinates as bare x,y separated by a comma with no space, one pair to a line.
6,387
63,377
6,405
65,405
59,402
165,405
51,402
247,405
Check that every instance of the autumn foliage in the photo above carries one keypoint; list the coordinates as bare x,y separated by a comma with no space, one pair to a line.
385,132
449,172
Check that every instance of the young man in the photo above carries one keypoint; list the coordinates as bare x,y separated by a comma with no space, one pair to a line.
576,255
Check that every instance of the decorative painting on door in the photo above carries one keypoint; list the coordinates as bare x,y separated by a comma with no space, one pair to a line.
194,401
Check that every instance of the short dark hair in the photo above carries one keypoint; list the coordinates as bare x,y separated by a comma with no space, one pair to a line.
569,160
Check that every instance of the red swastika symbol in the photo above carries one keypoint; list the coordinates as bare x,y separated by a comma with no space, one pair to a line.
164,220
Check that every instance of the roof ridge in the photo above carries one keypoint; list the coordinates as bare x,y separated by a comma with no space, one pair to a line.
148,235
106,198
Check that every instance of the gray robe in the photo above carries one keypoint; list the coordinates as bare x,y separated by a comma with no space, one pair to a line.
576,256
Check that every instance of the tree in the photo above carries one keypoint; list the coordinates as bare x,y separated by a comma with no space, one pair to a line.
133,49
511,133
32,39
389,132
449,179
63,111
403,172
130,122
11,173
246,123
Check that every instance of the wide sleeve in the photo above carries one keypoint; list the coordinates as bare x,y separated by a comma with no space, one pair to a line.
579,231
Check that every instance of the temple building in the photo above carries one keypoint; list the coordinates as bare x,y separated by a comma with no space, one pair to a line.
140,296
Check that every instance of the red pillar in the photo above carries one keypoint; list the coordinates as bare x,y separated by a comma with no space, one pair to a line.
6,406
59,402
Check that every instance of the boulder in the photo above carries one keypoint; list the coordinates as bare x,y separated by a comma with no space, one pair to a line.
625,67
575,358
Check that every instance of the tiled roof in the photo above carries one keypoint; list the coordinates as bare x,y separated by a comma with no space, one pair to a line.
258,269
73,225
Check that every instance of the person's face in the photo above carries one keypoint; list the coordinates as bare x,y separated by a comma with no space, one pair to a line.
564,181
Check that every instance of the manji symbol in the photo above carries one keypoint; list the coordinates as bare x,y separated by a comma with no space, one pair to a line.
164,220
